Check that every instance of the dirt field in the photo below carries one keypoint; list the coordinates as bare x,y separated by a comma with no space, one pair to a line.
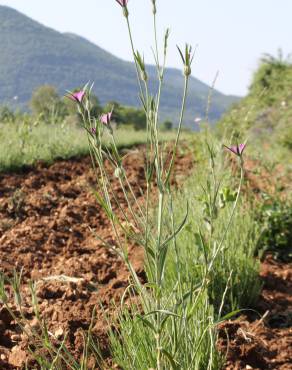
263,339
45,215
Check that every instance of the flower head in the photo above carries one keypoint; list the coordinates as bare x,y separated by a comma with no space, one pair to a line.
123,3
106,118
236,149
77,96
187,57
93,130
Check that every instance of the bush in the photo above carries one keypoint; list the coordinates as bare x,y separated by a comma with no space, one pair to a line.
6,115
276,219
167,125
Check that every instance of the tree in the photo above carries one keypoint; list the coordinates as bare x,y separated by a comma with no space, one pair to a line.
134,117
45,101
167,125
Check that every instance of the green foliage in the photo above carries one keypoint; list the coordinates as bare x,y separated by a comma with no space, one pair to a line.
265,117
126,115
134,117
6,115
167,125
30,140
188,341
233,282
275,217
236,272
285,137
51,108
45,102
265,114
271,77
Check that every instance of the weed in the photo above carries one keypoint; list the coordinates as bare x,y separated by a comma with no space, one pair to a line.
275,217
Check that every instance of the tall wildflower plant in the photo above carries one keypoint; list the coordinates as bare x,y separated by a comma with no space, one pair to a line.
165,326
218,244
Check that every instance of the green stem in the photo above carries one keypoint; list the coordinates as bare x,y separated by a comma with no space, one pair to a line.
158,279
177,259
136,65
149,153
179,128
230,218
157,105
156,43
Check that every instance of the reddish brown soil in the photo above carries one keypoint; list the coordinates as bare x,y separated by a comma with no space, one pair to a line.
45,215
263,340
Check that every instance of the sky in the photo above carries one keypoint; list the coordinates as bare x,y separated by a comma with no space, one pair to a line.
231,35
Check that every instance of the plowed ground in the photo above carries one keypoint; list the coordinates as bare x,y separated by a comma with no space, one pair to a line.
45,218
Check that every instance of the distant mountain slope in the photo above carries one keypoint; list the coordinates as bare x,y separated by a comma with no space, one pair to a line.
32,55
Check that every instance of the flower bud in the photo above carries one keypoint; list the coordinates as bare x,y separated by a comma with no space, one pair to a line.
187,71
154,10
143,76
125,12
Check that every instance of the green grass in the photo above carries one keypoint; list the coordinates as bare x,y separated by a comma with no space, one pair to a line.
23,144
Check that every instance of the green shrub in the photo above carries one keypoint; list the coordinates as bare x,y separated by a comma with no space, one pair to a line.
6,115
276,219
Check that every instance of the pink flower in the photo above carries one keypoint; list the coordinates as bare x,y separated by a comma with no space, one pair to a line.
77,96
236,149
93,130
123,3
106,118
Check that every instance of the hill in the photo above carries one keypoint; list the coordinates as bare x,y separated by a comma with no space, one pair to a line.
33,55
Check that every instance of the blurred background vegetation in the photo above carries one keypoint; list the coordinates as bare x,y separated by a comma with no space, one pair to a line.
264,116
52,129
